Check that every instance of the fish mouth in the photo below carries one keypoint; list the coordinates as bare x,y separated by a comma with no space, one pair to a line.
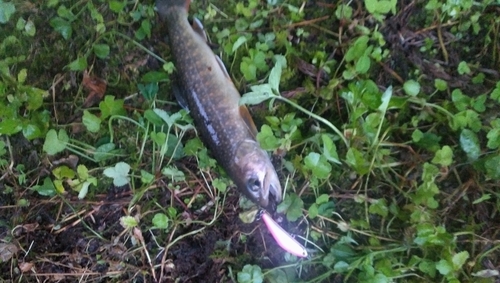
273,188
260,181
264,186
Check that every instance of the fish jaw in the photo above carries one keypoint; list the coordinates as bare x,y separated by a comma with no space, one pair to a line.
255,175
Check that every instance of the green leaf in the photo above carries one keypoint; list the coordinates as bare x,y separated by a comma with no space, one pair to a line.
83,172
444,156
440,84
173,173
32,131
160,221
52,3
66,13
149,90
358,49
30,28
276,276
152,77
363,64
62,26
329,149
84,189
240,41
495,94
492,168
428,267
493,138
318,164
168,119
258,95
460,100
153,118
35,97
20,23
356,160
146,177
220,185
292,205
322,199
63,172
144,31
266,138
79,64
463,68
459,260
91,122
3,149
478,103
444,267
7,9
313,211
119,173
484,197
470,144
21,76
379,207
274,78
47,189
103,152
193,146
55,142
10,126
251,274
343,12
117,6
110,106
101,50
248,70
128,222
159,138
411,87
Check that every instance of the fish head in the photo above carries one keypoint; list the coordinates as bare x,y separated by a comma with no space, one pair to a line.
255,175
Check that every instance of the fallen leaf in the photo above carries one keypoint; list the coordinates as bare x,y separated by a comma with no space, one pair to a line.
25,266
7,251
96,87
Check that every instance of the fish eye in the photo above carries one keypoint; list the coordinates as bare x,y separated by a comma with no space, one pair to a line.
253,184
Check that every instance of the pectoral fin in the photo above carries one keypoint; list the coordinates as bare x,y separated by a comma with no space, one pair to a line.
245,114
179,93
198,28
223,68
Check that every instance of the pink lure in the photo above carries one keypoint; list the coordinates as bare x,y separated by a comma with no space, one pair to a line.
284,240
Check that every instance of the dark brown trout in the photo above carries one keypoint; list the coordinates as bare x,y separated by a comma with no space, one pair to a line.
225,127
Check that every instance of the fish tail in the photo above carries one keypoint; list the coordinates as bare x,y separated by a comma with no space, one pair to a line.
163,6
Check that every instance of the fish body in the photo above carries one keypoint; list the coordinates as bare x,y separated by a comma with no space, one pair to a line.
225,127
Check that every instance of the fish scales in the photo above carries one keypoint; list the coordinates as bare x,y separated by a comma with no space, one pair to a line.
213,102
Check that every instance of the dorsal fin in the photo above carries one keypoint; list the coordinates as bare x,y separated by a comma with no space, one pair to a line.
245,114
221,65
198,28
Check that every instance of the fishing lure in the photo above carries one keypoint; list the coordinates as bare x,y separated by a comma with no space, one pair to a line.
282,237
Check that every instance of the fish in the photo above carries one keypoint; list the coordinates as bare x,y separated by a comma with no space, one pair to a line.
206,89
282,237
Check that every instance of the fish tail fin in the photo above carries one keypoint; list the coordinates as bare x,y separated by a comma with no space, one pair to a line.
162,6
